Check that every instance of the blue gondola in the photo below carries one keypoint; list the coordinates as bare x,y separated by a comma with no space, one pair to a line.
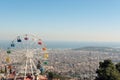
42,70
12,44
19,40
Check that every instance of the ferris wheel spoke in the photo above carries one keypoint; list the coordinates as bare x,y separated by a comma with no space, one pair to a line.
15,51
32,45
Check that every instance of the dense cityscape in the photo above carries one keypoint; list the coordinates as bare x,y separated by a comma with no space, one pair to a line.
77,64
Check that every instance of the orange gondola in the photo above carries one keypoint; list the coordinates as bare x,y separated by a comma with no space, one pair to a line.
44,49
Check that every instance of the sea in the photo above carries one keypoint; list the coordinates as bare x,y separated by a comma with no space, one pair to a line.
70,45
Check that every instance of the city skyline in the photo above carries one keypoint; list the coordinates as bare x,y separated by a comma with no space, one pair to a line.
63,20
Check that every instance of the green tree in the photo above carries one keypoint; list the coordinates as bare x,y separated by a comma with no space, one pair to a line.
50,75
107,71
118,66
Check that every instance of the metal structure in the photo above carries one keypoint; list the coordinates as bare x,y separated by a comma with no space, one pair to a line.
25,52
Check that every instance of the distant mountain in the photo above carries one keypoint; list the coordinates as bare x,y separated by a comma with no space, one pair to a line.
101,49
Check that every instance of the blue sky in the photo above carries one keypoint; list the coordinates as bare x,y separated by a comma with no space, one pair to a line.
61,20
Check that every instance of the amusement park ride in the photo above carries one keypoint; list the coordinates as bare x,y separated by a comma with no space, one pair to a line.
27,56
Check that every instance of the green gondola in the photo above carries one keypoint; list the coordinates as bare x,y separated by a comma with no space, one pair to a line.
45,62
8,51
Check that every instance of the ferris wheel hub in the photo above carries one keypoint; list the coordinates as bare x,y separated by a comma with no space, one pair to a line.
29,54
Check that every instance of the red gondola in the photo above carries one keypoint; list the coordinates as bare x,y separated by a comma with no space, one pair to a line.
40,42
26,38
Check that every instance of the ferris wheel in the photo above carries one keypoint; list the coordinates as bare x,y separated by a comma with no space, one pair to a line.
25,52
